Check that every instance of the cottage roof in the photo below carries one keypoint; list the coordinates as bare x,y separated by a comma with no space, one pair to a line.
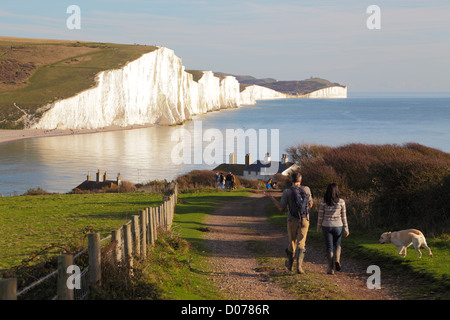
94,185
259,166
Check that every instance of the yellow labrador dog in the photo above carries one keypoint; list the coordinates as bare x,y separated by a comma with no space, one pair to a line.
404,238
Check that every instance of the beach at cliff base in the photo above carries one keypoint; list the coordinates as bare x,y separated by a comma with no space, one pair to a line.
16,135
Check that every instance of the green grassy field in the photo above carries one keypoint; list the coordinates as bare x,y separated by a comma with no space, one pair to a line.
75,68
31,223
177,267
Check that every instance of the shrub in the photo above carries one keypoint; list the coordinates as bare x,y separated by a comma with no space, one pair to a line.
36,192
127,187
196,179
384,185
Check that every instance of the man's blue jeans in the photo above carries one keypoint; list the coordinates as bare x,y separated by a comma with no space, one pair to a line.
333,236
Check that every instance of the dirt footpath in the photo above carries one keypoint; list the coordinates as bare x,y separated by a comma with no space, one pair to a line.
239,224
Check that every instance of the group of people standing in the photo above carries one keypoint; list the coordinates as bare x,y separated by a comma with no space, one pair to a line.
331,221
223,181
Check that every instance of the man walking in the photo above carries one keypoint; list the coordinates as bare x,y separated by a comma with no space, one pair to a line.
299,200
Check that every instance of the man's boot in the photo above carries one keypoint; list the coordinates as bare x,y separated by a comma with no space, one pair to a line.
330,269
300,257
290,261
337,258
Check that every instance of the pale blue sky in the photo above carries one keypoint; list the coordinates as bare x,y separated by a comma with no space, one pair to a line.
286,40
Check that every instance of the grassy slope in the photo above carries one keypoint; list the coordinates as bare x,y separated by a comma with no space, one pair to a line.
31,223
74,71
301,87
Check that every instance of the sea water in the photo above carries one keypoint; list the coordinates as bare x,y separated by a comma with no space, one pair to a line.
58,164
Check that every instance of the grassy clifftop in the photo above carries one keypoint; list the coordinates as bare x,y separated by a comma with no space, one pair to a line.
301,87
293,88
35,72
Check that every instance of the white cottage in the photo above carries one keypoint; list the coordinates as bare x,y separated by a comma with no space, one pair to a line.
267,169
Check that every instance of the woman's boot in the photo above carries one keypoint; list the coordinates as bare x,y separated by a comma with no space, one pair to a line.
337,258
330,269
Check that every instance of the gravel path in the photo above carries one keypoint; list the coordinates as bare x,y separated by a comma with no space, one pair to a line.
241,222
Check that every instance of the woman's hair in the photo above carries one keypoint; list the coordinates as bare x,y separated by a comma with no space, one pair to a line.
331,196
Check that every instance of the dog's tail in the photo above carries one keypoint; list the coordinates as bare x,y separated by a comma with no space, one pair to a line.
421,240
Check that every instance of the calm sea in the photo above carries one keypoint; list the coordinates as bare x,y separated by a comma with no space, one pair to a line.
59,164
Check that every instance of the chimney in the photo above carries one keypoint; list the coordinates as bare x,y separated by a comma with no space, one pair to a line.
232,158
88,178
284,158
248,159
105,176
98,176
119,179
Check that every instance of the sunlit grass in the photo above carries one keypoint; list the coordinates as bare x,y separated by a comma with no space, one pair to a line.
30,223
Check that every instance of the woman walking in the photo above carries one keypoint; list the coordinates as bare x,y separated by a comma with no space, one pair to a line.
332,221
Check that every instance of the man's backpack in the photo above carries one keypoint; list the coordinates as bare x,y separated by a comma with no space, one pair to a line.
300,207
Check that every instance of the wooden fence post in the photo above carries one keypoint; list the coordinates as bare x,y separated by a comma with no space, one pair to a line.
8,289
95,263
128,243
158,215
172,210
143,227
164,204
155,223
63,290
116,235
151,239
147,225
136,235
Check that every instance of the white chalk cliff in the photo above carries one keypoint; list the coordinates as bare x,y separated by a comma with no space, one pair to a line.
154,89
253,93
335,92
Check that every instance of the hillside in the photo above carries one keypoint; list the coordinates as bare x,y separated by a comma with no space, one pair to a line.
288,87
301,87
35,72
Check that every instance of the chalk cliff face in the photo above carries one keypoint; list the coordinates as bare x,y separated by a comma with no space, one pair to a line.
328,93
154,89
254,92
151,89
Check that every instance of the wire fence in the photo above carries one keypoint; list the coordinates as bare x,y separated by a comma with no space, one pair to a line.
130,240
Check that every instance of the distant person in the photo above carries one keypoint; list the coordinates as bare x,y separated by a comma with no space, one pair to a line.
269,184
299,200
228,181
222,181
233,181
217,180
332,221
